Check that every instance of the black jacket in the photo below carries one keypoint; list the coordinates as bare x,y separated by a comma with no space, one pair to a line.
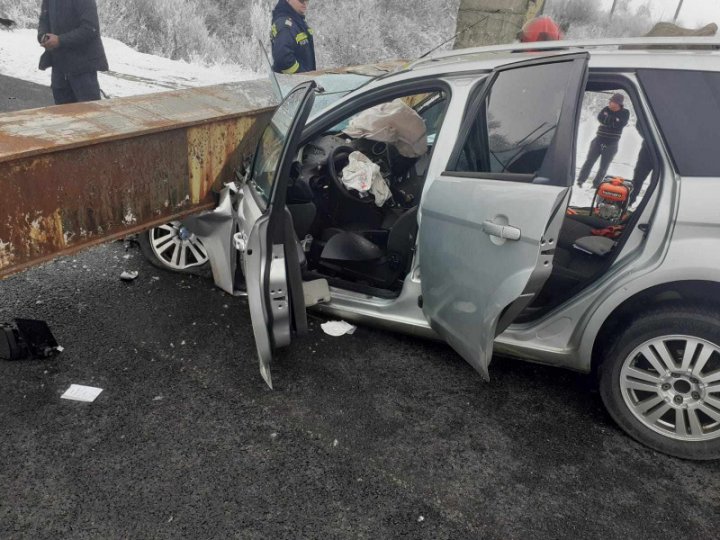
76,23
293,48
612,124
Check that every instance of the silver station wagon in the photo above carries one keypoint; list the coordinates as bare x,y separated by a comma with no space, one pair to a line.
442,200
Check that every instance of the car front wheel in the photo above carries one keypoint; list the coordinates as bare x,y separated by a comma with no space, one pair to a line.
661,381
173,247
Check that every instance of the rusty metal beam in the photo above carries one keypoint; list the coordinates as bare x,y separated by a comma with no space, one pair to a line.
73,176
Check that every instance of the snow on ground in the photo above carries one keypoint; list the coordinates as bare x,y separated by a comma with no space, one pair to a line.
131,72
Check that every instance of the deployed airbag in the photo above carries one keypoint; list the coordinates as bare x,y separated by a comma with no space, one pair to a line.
364,176
395,123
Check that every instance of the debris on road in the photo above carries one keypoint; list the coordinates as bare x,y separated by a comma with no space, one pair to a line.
79,392
27,338
129,275
338,328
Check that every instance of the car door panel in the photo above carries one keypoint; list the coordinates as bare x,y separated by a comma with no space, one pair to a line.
487,238
266,239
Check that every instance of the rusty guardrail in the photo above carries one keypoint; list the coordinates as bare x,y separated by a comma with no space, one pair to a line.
73,176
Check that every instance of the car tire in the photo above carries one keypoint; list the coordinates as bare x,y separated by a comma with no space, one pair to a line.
660,381
173,248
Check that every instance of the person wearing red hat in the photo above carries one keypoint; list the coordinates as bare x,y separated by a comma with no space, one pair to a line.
540,29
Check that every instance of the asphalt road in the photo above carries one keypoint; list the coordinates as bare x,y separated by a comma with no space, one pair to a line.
374,435
16,95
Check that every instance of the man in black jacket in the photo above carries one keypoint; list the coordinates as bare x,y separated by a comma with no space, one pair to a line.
293,49
613,120
69,31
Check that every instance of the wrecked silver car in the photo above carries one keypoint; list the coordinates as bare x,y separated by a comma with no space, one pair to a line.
472,231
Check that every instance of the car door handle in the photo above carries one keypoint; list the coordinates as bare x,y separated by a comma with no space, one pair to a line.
505,232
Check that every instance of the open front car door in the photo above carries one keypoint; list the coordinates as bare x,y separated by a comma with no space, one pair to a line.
490,222
266,240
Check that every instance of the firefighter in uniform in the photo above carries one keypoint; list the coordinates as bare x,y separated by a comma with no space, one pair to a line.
293,49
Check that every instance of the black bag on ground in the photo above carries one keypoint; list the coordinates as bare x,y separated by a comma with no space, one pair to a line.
26,338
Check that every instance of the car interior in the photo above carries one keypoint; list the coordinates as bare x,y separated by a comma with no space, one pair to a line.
599,220
362,237
358,241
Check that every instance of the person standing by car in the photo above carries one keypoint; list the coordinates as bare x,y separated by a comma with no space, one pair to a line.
613,120
293,48
69,31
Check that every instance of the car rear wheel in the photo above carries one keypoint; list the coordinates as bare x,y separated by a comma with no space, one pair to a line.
661,381
173,247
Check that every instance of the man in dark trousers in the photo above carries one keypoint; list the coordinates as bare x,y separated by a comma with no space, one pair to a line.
613,120
293,49
69,31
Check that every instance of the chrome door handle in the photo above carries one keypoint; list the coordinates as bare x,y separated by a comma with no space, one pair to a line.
506,232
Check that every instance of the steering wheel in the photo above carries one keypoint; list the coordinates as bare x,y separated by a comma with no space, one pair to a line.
337,160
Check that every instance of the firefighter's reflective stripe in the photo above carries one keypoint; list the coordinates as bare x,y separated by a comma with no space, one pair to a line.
302,36
310,31
273,30
292,69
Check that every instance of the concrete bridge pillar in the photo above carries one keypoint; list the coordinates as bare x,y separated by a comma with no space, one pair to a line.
503,19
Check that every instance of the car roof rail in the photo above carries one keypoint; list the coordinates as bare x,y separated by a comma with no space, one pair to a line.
641,43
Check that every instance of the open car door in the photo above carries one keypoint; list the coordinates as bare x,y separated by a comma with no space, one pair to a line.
490,222
266,240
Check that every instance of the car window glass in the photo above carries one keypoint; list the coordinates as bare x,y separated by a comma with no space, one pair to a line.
516,123
432,112
269,151
686,105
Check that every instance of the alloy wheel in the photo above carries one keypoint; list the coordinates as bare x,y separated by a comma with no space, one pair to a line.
672,385
176,247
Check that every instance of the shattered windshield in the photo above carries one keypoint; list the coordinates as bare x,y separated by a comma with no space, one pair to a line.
335,86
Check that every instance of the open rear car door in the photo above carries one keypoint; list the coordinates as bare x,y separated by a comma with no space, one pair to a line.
266,239
490,222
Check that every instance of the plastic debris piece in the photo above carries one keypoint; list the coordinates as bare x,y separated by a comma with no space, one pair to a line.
338,328
79,392
129,275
